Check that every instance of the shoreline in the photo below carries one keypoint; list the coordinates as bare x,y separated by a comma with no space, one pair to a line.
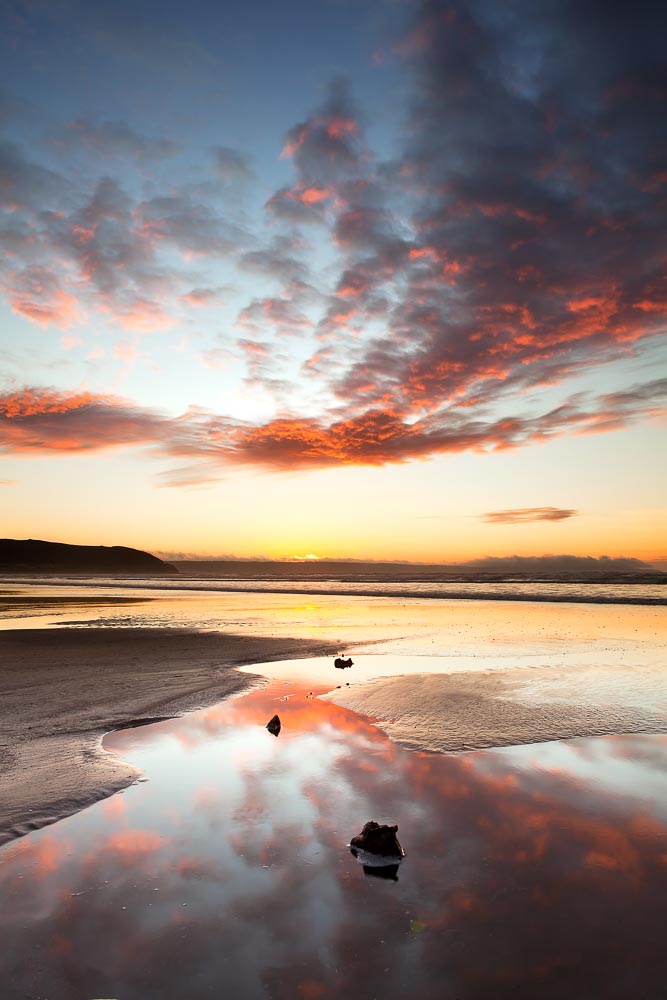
62,690
201,585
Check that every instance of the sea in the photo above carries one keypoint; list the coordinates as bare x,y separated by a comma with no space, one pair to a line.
514,731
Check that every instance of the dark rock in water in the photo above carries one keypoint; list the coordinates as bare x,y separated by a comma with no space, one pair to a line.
378,839
341,663
273,725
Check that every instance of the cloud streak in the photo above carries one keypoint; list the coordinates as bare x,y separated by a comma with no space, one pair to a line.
43,421
525,515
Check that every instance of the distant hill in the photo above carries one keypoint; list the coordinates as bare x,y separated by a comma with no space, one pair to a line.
33,556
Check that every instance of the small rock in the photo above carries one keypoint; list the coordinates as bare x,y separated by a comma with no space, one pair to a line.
273,725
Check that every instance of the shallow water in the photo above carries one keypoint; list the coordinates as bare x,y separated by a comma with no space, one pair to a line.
535,871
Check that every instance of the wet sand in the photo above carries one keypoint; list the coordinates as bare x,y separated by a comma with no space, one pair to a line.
61,689
481,709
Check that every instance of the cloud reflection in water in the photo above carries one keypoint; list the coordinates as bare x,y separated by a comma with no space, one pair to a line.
533,871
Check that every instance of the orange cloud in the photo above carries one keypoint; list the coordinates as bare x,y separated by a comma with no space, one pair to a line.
41,420
313,195
30,402
48,308
528,514
45,420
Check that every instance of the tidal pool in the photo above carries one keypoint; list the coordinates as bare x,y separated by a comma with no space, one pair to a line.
535,871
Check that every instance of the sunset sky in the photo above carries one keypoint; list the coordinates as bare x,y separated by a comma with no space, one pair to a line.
352,278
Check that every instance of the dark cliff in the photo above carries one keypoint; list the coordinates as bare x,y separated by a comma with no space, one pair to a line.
33,556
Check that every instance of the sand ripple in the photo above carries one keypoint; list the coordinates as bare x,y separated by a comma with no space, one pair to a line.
450,712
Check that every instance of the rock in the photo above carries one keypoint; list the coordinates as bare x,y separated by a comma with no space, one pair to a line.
273,725
378,839
341,663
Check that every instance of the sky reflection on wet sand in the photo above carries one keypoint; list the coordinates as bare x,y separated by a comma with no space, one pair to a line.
530,871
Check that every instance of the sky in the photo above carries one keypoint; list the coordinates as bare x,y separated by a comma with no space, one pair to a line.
355,278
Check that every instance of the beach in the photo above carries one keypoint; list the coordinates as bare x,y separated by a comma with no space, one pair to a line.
520,748
81,658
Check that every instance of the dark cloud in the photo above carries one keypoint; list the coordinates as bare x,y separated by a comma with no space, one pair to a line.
28,185
517,240
537,210
523,515
110,139
231,165
327,153
280,259
11,108
281,315
300,204
189,225
327,146
263,364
